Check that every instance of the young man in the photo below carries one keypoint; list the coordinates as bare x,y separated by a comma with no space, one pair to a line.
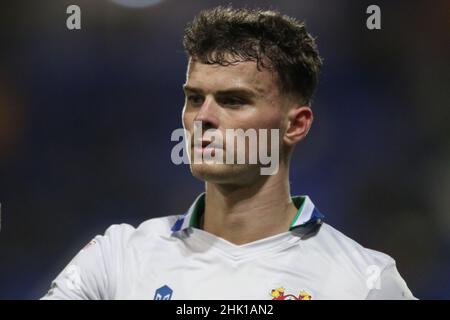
245,237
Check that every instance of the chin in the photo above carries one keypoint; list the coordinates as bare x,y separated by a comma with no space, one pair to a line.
211,172
224,173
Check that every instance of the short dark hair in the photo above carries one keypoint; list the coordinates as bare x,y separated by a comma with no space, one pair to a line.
217,34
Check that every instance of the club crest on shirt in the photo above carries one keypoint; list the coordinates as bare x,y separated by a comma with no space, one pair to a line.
281,294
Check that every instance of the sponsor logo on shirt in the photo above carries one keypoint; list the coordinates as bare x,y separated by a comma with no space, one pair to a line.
163,293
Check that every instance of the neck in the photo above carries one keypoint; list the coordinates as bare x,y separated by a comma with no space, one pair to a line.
243,214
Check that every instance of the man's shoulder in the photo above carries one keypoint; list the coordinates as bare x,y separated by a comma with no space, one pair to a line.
344,249
154,227
160,225
353,269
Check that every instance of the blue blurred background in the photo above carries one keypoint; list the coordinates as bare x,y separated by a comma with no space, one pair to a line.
86,118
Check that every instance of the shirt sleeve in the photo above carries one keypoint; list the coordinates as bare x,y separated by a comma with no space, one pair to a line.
92,272
391,286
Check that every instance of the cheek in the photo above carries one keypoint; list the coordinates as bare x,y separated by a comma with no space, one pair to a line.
187,119
268,118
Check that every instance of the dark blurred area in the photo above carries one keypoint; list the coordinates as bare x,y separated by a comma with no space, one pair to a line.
86,118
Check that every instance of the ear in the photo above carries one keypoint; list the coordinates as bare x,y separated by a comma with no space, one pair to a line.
300,119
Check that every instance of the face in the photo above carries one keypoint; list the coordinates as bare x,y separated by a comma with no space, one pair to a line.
237,96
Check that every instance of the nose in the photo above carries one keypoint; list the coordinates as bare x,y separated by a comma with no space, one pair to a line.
208,114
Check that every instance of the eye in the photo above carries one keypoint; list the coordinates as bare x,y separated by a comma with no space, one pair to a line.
232,101
195,99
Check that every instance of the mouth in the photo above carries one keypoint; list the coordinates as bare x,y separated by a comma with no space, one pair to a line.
206,146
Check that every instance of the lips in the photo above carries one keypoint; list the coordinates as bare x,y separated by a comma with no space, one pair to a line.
205,144
206,147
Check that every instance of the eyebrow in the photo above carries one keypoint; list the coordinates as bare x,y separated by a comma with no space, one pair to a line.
244,92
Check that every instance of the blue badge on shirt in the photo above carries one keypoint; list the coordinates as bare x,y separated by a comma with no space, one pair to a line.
163,293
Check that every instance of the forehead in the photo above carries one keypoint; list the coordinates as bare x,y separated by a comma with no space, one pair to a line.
244,74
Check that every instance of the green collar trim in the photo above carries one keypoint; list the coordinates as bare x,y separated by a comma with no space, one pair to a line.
199,208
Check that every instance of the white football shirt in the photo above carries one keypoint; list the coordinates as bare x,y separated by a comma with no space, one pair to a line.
170,258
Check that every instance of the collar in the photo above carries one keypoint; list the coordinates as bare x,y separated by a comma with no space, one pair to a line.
307,214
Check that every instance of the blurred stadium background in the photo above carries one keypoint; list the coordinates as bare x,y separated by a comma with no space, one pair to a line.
86,118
